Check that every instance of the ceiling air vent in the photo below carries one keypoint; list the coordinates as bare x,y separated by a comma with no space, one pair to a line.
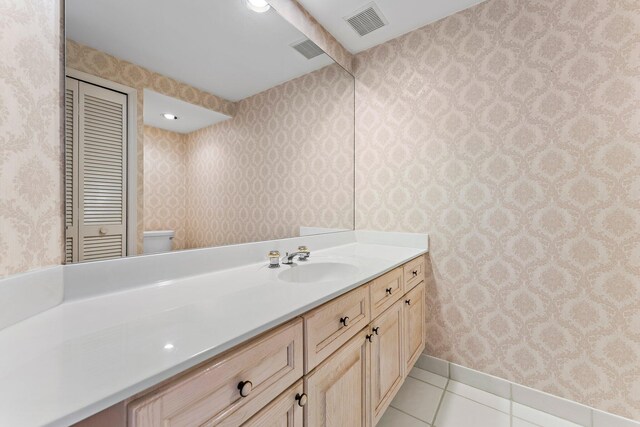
307,48
367,19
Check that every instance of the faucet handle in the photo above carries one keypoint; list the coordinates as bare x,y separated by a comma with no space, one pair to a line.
304,253
274,259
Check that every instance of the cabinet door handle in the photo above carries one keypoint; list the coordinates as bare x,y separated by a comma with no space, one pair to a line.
376,330
301,399
245,388
415,273
344,320
370,338
408,302
389,290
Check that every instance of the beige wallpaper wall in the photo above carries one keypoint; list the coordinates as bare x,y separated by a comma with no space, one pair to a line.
510,133
284,160
165,176
86,59
30,148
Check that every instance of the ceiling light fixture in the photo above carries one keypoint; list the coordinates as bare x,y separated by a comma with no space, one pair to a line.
170,116
259,6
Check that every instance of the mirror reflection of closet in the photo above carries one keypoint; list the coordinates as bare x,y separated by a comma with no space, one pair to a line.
95,172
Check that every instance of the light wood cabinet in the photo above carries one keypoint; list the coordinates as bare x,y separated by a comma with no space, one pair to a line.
414,325
229,390
413,273
356,350
285,411
338,389
385,290
331,325
387,358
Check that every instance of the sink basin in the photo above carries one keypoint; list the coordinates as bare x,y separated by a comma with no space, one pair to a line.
317,272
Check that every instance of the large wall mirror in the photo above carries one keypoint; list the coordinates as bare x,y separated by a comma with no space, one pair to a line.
200,124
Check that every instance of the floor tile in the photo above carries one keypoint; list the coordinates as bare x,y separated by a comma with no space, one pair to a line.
428,377
480,396
457,411
539,418
394,418
418,399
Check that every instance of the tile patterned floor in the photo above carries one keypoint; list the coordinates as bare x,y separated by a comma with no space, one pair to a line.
429,400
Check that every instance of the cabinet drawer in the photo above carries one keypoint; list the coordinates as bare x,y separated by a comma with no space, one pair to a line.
212,395
413,273
333,324
385,290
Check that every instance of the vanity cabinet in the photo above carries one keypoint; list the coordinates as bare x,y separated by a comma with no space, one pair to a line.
413,273
229,390
414,313
340,364
331,325
285,411
385,290
387,361
339,388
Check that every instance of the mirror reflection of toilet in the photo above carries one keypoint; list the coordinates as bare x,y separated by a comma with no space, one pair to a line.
156,242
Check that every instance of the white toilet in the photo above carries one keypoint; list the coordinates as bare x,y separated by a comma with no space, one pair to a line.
155,242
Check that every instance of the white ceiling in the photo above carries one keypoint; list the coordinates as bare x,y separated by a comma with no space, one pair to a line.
403,16
219,46
190,117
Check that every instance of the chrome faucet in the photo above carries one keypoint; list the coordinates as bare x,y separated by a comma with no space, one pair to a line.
302,254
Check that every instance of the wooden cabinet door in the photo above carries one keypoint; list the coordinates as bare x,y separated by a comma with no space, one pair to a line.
414,325
284,411
387,359
338,389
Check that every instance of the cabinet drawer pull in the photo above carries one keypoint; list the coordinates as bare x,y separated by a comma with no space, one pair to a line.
389,290
376,330
370,338
415,273
344,320
301,399
245,388
408,302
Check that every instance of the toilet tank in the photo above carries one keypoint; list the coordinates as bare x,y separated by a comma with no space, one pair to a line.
155,242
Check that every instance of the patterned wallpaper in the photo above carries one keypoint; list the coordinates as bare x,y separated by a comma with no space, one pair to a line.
510,133
284,160
165,178
86,59
30,148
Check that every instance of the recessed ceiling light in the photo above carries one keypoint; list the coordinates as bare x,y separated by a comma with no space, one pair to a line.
168,346
259,6
170,116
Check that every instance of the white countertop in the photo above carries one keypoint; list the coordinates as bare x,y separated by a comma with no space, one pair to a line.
84,355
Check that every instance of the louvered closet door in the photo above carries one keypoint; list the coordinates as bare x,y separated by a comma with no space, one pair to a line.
102,170
71,169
